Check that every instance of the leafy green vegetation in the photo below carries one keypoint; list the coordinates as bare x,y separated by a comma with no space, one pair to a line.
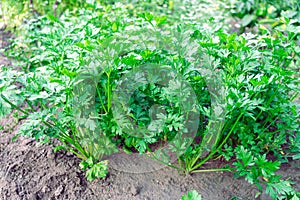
220,94
192,195
265,12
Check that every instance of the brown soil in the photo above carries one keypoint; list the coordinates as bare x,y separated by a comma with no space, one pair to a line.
31,171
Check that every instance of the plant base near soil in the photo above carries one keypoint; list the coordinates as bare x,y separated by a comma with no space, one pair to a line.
28,171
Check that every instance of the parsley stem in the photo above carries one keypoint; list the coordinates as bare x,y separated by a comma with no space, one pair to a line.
13,105
211,170
220,146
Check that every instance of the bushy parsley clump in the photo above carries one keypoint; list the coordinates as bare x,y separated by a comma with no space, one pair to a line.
244,86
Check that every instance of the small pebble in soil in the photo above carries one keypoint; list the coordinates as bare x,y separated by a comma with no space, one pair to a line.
134,190
59,190
45,189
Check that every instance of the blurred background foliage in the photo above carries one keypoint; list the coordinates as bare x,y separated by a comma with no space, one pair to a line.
234,15
14,12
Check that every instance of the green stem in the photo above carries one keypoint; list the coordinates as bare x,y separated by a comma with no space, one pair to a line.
75,143
220,146
30,105
71,140
108,92
99,94
67,102
180,163
42,105
294,96
211,170
201,147
13,105
164,163
70,149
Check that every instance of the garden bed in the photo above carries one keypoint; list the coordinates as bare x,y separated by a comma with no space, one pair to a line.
127,101
30,171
